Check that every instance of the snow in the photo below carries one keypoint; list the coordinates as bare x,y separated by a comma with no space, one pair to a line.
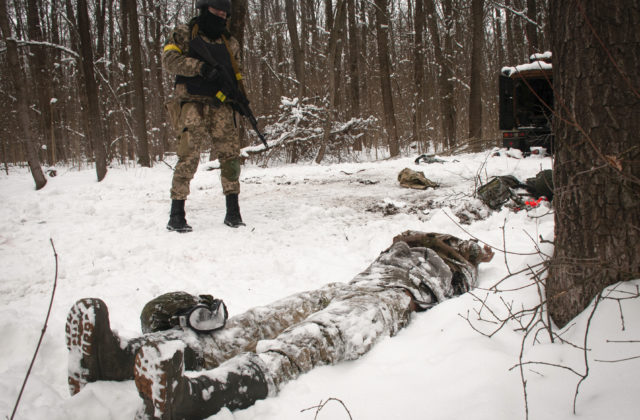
308,225
523,68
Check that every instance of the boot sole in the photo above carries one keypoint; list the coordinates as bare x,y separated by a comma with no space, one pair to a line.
154,385
179,230
234,225
79,333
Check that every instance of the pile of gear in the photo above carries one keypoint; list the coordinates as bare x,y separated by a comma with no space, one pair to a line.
508,191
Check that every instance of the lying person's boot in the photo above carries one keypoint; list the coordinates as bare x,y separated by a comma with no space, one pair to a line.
233,218
177,221
95,351
170,395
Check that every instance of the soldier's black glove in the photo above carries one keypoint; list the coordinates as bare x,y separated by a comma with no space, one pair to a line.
209,73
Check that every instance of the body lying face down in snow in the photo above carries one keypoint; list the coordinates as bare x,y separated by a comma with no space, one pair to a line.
258,351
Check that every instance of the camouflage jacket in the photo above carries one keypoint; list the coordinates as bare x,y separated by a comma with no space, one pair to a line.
176,60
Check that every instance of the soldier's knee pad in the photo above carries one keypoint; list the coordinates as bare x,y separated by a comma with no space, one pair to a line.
230,169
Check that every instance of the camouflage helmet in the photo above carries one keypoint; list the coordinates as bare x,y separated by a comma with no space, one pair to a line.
224,5
159,314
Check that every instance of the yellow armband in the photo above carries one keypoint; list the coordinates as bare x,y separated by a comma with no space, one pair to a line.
172,47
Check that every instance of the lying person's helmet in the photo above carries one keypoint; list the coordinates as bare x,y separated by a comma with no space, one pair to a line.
200,313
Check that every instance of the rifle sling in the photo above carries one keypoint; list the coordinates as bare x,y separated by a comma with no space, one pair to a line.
234,64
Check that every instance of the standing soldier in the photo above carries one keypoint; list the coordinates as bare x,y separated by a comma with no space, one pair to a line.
201,116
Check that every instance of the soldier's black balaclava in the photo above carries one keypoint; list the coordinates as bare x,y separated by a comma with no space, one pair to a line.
211,25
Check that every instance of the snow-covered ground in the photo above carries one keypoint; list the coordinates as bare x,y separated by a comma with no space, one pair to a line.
307,225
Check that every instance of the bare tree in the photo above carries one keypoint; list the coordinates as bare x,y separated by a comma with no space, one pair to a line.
332,48
236,22
21,94
475,91
419,21
382,38
139,111
95,129
40,69
444,71
296,47
532,27
596,52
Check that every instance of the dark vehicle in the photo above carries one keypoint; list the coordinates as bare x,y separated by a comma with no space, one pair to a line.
526,104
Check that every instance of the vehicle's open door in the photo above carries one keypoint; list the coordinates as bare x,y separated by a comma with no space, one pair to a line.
506,116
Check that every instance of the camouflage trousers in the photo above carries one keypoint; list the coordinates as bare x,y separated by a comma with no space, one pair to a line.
205,126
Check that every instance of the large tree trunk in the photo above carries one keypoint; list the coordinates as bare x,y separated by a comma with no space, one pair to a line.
40,70
139,111
511,50
596,54
95,130
332,49
475,91
296,48
382,38
532,29
353,73
418,73
445,73
497,23
236,22
21,93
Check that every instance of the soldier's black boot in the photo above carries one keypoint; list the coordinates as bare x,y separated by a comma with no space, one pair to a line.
177,222
233,218
95,352
170,395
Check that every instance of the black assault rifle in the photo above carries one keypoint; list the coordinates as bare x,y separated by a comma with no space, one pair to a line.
229,88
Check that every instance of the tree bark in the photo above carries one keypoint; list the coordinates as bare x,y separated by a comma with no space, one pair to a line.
418,72
511,50
596,54
236,22
444,71
95,130
332,48
382,38
475,91
139,111
499,38
532,29
21,93
296,48
354,76
40,69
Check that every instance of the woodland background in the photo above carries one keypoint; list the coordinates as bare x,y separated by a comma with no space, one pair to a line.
81,80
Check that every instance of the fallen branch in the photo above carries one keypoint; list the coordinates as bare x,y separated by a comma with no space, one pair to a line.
320,406
44,329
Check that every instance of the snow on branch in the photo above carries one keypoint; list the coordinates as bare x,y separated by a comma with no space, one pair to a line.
301,122
25,43
521,13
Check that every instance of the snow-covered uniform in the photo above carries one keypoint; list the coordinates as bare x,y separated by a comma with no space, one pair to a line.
267,346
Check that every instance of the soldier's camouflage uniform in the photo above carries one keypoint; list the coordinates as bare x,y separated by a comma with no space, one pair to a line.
200,123
265,347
